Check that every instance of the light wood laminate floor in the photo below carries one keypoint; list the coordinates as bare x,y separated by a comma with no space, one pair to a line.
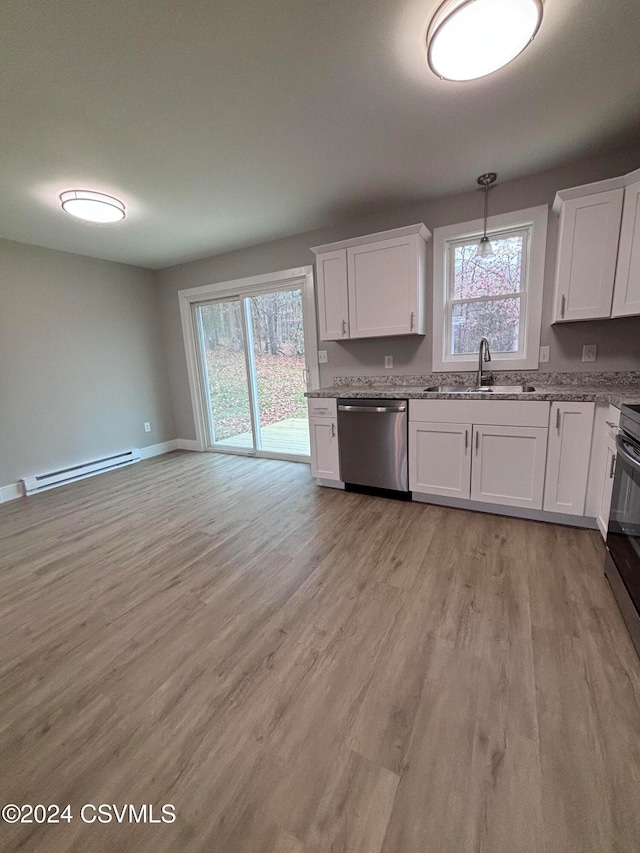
299,670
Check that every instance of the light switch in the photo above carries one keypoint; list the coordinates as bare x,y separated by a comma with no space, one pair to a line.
388,361
544,355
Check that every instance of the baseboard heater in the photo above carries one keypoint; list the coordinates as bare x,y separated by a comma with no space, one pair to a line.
42,482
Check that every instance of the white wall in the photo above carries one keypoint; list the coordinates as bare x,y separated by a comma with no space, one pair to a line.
618,340
81,360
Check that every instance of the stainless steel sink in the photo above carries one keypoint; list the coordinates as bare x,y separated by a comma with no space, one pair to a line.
485,389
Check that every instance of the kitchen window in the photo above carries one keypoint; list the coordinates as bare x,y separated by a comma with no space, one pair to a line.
499,299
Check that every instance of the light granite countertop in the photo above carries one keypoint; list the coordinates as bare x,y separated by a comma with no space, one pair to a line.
614,388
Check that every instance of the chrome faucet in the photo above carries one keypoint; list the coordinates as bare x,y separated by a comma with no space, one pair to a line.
485,355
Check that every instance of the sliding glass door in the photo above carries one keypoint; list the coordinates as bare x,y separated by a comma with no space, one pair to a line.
252,355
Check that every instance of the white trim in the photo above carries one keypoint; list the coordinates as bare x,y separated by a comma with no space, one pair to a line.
419,228
592,189
188,444
301,277
330,484
16,490
158,449
511,511
11,492
536,218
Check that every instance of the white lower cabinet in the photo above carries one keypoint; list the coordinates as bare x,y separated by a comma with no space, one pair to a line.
570,429
323,432
607,487
608,470
325,461
440,459
494,454
508,465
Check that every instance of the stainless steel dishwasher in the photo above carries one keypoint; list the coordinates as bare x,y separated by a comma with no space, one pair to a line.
372,438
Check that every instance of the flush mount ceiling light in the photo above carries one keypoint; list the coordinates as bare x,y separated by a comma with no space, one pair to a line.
468,39
485,252
94,207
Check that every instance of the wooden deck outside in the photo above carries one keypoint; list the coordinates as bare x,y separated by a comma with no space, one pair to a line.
290,436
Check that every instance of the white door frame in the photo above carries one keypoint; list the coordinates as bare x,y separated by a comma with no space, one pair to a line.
301,277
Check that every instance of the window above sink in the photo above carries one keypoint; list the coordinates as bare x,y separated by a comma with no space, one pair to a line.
500,299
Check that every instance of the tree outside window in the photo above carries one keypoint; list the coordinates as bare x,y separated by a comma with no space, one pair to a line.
486,298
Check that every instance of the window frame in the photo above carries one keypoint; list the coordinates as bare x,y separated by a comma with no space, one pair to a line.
534,219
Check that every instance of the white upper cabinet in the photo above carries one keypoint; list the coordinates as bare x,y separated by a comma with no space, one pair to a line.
598,264
587,251
626,295
373,286
333,301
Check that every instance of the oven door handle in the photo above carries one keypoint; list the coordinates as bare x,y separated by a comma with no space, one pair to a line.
622,450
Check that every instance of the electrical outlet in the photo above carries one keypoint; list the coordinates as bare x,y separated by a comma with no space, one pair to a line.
388,361
589,352
544,355
323,358
147,426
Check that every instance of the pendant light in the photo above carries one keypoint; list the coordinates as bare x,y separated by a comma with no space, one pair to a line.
485,252
92,206
468,39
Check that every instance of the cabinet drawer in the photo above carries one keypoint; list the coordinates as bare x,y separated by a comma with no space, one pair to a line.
534,413
322,407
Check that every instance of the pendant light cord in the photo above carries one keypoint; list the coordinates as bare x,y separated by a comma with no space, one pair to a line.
486,208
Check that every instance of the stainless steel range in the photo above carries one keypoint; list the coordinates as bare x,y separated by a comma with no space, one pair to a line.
622,562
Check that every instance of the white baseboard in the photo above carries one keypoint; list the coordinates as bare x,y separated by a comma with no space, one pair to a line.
16,490
513,511
158,449
11,492
188,444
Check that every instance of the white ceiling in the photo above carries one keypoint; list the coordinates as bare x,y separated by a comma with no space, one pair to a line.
223,124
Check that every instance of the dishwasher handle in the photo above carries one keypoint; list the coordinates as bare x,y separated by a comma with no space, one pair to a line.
382,409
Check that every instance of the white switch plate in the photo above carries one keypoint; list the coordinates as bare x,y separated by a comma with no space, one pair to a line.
323,358
388,361
147,426
589,352
544,355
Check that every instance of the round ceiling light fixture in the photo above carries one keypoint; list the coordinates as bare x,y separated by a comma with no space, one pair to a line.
92,206
468,39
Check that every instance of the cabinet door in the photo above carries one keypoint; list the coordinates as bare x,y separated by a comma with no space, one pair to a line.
607,487
587,252
626,292
508,465
384,288
325,461
440,459
333,300
570,429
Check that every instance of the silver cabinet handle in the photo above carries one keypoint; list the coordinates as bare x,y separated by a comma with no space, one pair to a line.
411,327
563,302
344,328
558,417
466,439
333,430
383,409
612,470
477,442
611,425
